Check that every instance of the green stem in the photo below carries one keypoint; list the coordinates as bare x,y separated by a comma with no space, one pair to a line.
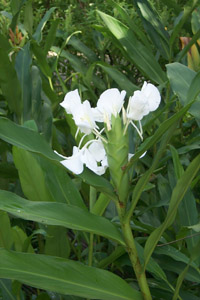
133,255
90,253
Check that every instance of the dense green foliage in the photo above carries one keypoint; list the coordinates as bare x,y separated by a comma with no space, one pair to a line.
54,224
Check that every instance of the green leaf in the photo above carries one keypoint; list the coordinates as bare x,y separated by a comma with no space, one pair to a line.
58,183
185,84
99,182
37,36
9,83
25,138
6,235
22,65
135,50
154,27
188,213
51,36
82,48
178,193
32,177
56,242
28,17
6,289
149,142
65,276
53,213
41,58
122,81
174,253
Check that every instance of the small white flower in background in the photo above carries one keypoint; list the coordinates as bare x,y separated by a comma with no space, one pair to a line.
109,103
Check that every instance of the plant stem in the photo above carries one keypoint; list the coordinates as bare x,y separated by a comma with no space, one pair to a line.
133,255
90,254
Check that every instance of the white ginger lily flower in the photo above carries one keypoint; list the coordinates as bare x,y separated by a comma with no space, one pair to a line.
94,157
71,101
84,118
73,163
96,154
142,102
109,103
82,112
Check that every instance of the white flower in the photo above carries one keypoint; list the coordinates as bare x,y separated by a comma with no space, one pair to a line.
84,118
73,163
82,112
71,101
109,103
142,102
152,95
94,157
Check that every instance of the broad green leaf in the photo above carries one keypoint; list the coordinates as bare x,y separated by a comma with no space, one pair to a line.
169,264
99,182
6,289
174,253
37,36
22,65
32,177
6,235
65,276
58,183
22,243
185,84
56,242
9,82
53,213
178,193
122,81
136,51
25,138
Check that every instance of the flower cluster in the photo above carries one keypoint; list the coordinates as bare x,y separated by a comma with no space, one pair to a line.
111,102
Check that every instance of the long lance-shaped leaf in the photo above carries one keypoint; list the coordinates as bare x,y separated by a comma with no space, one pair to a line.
136,51
64,276
28,139
25,138
177,195
60,214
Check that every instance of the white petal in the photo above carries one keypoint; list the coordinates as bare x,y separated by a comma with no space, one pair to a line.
74,163
152,94
110,102
84,117
71,101
97,150
137,106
